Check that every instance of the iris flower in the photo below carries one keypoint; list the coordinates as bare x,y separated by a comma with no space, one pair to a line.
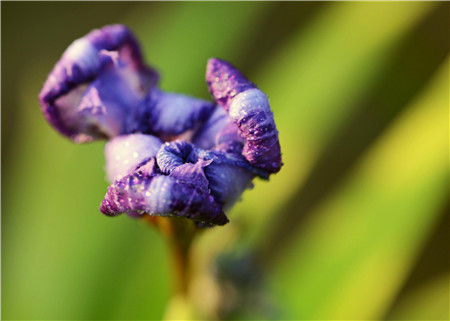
166,153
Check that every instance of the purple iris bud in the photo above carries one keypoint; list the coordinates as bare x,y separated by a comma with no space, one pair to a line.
167,153
249,109
220,178
92,90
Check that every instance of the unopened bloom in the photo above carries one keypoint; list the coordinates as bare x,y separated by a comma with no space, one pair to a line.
166,153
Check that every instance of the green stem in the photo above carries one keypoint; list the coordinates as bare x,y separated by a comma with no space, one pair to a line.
180,242
180,233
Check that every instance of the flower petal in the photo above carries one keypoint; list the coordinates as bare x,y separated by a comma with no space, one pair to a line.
206,135
174,154
192,174
125,153
162,195
168,115
249,109
226,175
229,139
225,81
112,49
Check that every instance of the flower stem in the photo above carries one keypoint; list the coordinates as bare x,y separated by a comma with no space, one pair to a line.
180,242
180,233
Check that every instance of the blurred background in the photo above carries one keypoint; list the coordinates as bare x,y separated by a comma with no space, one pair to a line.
355,226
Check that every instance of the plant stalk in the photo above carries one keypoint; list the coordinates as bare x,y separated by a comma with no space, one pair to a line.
180,233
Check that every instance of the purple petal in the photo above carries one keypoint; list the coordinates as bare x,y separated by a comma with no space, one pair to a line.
228,177
79,115
249,109
124,153
192,174
161,195
168,115
225,81
174,154
229,140
220,133
148,168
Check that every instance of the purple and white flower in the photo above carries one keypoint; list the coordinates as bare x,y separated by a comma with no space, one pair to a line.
166,153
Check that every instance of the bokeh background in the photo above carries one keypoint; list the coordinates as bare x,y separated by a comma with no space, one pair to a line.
355,226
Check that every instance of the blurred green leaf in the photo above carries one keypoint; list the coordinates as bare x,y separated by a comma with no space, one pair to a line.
357,247
429,302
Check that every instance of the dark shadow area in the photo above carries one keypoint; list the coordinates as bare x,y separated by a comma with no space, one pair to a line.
419,56
283,21
432,262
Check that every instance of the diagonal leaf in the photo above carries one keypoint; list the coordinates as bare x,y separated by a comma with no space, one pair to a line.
358,246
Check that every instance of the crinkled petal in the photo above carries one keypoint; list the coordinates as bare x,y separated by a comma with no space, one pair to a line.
192,174
162,195
249,109
125,153
227,175
85,116
168,115
174,154
107,106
